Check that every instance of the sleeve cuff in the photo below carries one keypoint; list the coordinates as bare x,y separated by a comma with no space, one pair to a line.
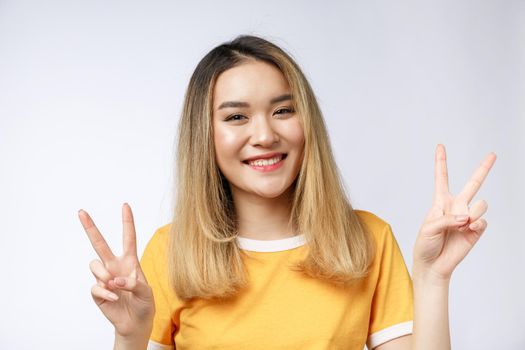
387,334
153,345
374,339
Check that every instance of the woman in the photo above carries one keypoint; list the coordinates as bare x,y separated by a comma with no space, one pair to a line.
265,250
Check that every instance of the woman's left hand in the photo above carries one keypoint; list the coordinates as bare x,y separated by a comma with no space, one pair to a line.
451,228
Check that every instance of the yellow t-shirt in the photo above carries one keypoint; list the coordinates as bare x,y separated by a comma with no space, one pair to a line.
283,309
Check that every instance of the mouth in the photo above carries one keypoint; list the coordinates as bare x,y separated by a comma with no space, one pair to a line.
266,162
266,165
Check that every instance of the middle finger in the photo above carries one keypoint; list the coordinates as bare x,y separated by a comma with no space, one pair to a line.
475,182
97,240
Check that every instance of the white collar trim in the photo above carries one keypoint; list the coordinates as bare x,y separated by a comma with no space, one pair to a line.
276,245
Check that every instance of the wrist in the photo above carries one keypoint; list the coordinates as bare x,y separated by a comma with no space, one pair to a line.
135,341
135,330
426,276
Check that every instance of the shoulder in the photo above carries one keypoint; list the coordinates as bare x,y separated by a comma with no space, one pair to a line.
158,242
161,234
376,227
372,222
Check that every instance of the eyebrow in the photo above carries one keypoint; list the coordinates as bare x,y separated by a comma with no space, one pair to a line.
230,104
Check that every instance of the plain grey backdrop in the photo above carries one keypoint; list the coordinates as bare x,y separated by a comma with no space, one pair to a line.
91,92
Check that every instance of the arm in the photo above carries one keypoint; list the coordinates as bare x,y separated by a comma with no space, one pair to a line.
431,326
430,318
122,292
449,232
139,342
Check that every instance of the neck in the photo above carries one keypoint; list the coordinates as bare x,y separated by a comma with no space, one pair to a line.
263,218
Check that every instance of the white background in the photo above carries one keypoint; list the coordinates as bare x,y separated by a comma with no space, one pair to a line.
91,91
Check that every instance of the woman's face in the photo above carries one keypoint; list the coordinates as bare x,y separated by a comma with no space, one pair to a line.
258,138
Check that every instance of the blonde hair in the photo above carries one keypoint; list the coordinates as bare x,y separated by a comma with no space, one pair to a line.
204,259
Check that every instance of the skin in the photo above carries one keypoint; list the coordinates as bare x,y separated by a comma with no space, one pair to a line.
262,207
449,231
121,291
261,199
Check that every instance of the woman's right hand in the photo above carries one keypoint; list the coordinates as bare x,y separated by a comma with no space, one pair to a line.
121,292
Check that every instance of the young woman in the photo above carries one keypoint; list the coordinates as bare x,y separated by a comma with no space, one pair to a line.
264,250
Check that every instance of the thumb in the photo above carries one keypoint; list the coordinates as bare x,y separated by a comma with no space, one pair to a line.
435,227
140,288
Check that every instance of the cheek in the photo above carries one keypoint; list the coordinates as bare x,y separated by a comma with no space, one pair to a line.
295,133
226,143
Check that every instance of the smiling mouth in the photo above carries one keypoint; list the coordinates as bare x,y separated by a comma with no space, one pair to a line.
266,162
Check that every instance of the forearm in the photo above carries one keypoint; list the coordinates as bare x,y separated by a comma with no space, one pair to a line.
131,343
431,323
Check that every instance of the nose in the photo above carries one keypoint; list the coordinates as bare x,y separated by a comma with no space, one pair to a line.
263,133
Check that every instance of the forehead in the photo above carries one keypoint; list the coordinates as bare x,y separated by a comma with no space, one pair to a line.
252,81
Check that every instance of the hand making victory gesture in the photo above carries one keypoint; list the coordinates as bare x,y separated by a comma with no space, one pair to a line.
451,228
121,292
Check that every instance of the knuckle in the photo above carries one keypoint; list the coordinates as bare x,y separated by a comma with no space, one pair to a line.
101,283
475,182
132,283
481,204
95,289
93,264
426,229
98,243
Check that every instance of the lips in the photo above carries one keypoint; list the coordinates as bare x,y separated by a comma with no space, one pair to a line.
265,156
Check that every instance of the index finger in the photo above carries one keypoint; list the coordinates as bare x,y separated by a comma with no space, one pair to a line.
440,174
130,236
97,241
473,185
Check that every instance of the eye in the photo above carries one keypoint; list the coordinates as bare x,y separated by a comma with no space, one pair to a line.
235,117
284,110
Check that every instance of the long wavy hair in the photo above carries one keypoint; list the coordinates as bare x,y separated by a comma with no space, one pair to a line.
204,259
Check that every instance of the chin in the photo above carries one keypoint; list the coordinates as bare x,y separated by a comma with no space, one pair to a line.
268,190
269,195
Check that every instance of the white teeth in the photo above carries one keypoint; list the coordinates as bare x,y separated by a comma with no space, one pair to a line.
266,162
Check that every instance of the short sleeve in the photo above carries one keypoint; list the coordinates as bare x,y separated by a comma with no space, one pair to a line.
392,305
154,266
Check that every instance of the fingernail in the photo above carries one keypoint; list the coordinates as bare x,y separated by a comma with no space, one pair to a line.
112,296
474,226
120,281
461,217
